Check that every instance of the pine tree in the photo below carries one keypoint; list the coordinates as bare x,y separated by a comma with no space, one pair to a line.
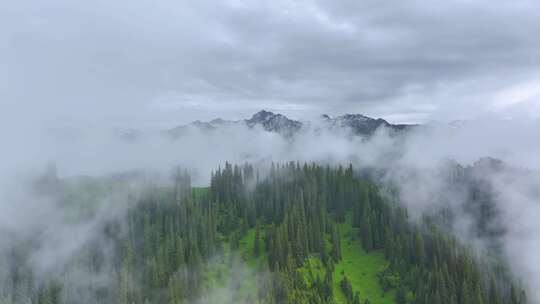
346,288
514,296
257,241
478,299
356,299
400,296
419,248
336,247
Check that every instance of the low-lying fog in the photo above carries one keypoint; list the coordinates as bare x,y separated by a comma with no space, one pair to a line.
422,151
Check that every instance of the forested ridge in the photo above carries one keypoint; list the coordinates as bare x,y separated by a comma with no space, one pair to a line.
299,233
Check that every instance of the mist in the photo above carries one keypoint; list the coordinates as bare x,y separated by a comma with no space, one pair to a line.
415,162
77,76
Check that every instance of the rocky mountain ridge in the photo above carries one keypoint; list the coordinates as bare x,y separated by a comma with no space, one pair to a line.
357,124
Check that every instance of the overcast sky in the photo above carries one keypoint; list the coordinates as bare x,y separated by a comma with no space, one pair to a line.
145,63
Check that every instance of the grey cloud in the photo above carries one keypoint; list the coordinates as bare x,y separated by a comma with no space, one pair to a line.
136,63
159,64
108,62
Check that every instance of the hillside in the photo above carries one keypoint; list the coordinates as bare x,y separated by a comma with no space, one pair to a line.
355,124
301,234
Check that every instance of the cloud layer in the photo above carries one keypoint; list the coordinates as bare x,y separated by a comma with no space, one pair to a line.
155,65
141,63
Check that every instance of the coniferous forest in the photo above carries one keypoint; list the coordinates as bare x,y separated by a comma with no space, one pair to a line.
269,152
295,233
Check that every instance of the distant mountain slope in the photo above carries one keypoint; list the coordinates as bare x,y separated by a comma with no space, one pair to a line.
184,129
356,123
274,123
362,125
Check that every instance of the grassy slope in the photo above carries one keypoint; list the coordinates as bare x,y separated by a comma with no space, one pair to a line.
360,267
223,272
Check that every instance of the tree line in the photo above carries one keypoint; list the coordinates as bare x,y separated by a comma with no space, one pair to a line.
163,248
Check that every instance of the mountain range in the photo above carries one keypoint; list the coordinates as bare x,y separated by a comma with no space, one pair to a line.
356,124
